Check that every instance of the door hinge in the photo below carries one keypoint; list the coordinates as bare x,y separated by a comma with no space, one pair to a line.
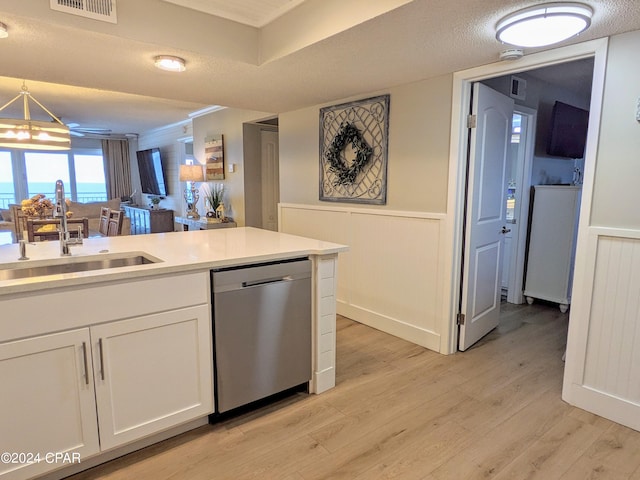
472,121
461,318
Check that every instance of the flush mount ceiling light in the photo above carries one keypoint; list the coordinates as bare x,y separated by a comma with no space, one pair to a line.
33,134
544,24
4,33
169,63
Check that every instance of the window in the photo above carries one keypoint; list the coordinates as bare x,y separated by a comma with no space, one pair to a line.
91,185
7,188
33,172
43,169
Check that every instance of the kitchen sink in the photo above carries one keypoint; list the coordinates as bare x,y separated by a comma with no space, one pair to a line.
78,264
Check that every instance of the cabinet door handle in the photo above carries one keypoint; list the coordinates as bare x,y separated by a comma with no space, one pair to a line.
101,358
86,362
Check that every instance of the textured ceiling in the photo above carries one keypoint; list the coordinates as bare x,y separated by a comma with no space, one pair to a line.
256,13
101,75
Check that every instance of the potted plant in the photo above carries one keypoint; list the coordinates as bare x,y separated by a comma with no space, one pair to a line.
213,198
154,202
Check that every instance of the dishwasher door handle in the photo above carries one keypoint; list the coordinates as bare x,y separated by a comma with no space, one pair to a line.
255,283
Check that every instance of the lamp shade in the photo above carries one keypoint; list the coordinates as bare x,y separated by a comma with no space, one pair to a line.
191,173
33,134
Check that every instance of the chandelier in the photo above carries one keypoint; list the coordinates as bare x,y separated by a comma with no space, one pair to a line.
33,134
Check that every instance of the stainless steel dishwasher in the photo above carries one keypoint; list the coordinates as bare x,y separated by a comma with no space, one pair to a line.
261,330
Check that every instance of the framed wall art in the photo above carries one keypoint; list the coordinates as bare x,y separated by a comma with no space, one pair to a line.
214,158
353,151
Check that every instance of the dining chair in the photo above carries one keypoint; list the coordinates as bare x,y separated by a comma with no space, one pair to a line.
116,217
47,229
103,227
19,221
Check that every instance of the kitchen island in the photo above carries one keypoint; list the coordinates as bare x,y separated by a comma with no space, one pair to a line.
101,362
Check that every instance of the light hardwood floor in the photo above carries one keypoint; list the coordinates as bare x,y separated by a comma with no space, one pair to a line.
400,411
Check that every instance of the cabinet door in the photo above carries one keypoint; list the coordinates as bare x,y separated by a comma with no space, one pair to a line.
47,402
152,373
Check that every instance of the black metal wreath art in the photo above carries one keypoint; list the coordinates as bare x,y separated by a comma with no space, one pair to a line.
348,134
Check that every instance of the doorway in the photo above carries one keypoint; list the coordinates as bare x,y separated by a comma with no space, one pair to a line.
530,163
261,173
496,176
517,205
461,95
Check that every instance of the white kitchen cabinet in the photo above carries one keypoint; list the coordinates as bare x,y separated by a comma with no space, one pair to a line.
126,379
153,348
47,401
552,241
152,373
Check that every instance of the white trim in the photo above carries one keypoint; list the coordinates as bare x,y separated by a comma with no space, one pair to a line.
457,156
519,238
365,211
205,111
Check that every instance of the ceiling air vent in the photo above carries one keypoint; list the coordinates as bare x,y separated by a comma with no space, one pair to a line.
104,10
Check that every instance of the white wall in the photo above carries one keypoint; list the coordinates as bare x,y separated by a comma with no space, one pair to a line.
603,356
392,276
541,96
228,123
172,151
616,193
418,148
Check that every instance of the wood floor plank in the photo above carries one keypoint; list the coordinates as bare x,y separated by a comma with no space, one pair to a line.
616,452
486,453
554,452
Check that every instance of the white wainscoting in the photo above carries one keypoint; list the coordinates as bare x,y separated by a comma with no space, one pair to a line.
603,359
392,276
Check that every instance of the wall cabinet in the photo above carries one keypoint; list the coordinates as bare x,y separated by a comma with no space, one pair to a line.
145,220
125,379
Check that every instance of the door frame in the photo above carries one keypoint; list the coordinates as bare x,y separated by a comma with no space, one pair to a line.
523,182
452,247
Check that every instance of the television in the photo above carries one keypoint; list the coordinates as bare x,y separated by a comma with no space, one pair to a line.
567,131
151,172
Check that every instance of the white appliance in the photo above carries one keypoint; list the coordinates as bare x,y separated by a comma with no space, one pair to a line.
551,245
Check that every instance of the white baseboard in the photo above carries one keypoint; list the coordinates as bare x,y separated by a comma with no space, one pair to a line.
411,333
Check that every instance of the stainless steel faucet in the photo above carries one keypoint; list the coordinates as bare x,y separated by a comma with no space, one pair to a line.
60,211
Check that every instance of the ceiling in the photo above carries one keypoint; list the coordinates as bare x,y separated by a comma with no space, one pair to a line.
264,55
256,13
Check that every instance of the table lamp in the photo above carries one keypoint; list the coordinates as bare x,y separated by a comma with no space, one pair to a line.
191,174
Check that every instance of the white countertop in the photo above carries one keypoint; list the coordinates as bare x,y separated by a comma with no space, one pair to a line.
179,252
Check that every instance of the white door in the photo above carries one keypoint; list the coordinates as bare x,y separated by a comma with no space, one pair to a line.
270,180
152,373
485,215
47,404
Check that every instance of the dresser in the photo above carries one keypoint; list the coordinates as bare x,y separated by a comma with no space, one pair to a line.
145,220
552,241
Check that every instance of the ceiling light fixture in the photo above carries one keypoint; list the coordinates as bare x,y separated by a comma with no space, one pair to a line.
4,32
170,63
544,25
33,134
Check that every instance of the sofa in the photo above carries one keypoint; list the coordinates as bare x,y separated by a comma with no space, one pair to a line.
90,210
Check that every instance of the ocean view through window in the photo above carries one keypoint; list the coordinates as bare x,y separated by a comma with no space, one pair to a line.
27,173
